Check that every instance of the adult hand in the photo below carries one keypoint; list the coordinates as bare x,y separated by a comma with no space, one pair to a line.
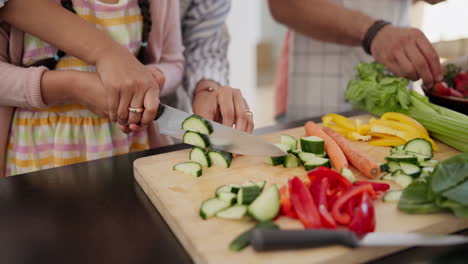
407,53
127,82
224,104
151,99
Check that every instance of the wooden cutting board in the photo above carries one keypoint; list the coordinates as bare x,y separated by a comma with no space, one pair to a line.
178,196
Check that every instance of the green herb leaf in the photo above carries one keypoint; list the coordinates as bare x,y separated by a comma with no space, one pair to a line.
449,173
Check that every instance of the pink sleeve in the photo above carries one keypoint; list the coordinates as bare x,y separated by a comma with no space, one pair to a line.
165,49
19,87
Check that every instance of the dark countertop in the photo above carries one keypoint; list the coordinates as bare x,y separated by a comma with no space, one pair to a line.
95,212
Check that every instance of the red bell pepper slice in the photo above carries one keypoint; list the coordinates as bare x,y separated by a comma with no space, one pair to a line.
285,202
303,204
364,217
319,189
338,183
377,186
345,218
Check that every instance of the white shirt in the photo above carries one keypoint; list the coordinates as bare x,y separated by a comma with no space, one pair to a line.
319,72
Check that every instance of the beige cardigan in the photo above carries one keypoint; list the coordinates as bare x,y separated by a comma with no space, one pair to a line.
21,87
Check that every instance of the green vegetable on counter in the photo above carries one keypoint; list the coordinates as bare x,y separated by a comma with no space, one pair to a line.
377,91
445,189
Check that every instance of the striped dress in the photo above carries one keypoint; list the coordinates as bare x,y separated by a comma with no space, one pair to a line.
67,134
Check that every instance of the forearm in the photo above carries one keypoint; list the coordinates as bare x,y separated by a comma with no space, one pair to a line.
59,27
324,20
57,87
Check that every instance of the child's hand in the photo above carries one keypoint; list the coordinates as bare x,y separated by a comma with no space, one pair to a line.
89,92
127,82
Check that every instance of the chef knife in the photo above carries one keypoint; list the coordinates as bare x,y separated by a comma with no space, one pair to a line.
263,240
223,137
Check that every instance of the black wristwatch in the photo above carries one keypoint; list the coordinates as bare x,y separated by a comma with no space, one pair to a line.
371,33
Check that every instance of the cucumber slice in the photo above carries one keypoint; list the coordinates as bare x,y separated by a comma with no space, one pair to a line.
196,139
429,163
221,189
266,206
220,158
234,212
400,147
261,185
212,206
291,161
403,158
393,166
199,155
420,146
192,168
283,147
235,188
296,152
247,194
196,123
398,151
289,141
313,144
348,174
275,161
306,156
402,179
243,240
410,169
387,177
316,162
420,157
228,197
392,196
384,167
321,155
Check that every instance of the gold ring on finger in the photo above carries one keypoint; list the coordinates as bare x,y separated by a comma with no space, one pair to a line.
249,113
136,110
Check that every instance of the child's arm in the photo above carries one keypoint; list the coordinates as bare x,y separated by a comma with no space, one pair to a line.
166,25
121,73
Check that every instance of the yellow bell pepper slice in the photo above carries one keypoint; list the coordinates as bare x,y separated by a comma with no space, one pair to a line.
339,120
361,128
392,116
338,129
391,131
387,141
415,130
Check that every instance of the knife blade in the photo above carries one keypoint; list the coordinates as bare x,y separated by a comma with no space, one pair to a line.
263,240
223,137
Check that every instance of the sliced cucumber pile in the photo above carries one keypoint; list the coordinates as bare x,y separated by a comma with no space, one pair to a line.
409,162
196,134
311,156
236,201
348,174
196,123
392,196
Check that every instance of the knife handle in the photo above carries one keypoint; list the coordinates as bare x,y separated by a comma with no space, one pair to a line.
161,109
263,239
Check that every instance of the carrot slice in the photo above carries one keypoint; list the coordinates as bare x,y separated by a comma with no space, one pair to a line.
336,155
359,160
